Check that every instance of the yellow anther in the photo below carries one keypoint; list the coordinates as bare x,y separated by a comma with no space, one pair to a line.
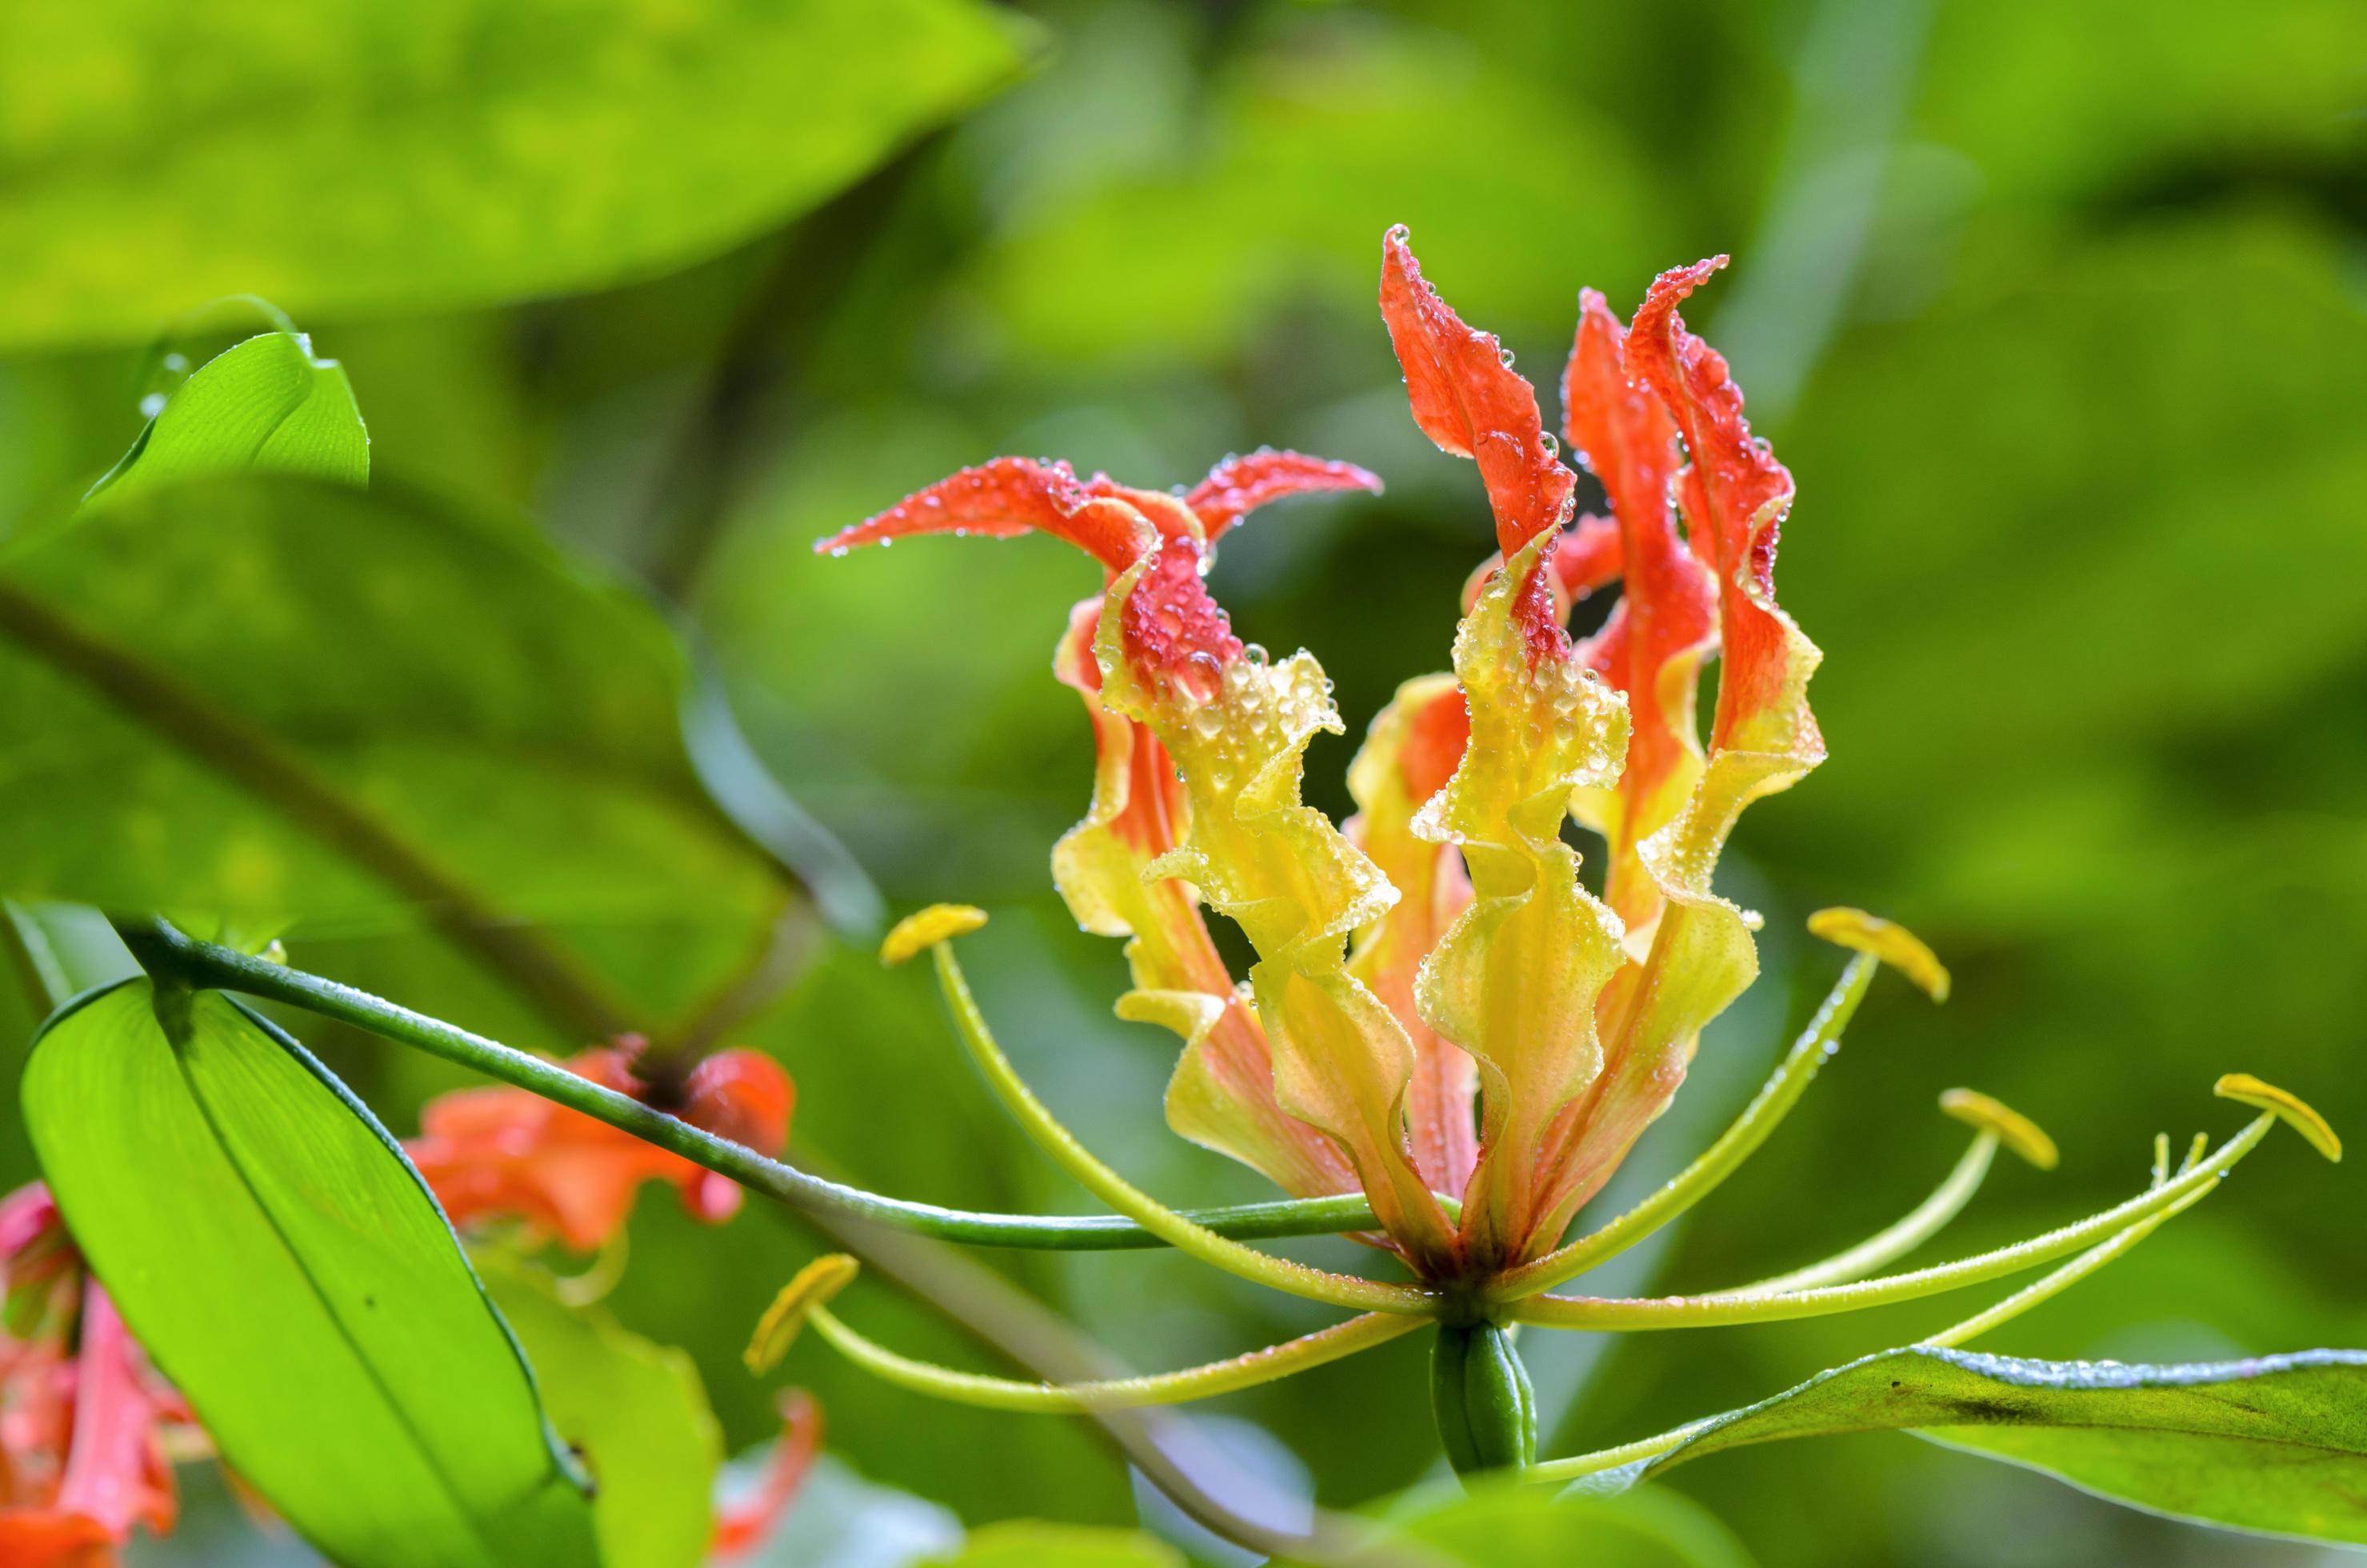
2290,1108
2015,1131
1886,939
916,934
816,1283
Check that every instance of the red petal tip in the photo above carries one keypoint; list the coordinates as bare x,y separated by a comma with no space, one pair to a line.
1242,483
1467,397
1006,496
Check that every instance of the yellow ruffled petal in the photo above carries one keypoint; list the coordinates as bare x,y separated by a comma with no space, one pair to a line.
1222,1095
1515,979
1413,749
1239,728
2294,1111
1886,939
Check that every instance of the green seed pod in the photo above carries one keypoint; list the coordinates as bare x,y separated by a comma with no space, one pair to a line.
1479,1392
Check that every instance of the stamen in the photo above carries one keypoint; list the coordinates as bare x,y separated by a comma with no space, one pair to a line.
2021,1134
1701,1312
2247,1090
1886,939
916,934
2070,1274
816,1283
1267,1365
1263,1268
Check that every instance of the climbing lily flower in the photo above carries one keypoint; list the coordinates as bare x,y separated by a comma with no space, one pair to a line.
509,1155
1440,1017
82,1451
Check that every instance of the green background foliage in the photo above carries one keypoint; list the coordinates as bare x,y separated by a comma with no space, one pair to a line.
2055,312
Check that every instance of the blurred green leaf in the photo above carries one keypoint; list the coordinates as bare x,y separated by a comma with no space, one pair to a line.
266,406
1310,145
1501,1524
284,1265
345,158
270,696
2276,1443
635,1411
1027,1544
2061,100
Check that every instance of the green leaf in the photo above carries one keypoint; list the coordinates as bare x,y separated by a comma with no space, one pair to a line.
2276,1444
635,1411
344,159
369,709
284,1265
1026,1543
266,406
1503,1524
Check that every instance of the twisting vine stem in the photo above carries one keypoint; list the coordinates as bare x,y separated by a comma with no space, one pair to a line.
162,949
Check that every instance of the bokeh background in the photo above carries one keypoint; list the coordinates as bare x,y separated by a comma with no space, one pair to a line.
2056,311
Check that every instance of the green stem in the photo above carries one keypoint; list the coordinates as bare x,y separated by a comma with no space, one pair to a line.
1704,1312
1601,1459
2078,1269
162,949
2013,1306
1895,1241
1267,1365
1736,1144
1178,1231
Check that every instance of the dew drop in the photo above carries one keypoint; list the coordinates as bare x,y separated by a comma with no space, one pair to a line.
1202,678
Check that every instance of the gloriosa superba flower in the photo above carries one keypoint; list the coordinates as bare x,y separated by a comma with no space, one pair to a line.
1441,1015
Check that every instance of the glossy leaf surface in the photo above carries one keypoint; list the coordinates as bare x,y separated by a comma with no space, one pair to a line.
2276,1443
344,159
283,1264
266,406
635,1412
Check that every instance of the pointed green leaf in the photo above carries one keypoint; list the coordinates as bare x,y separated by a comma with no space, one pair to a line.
636,1412
345,159
2276,1444
284,1265
266,406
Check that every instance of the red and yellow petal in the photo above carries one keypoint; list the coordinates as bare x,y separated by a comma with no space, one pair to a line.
1240,485
1732,495
1514,980
1666,621
1467,398
1238,728
1415,747
1222,1094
